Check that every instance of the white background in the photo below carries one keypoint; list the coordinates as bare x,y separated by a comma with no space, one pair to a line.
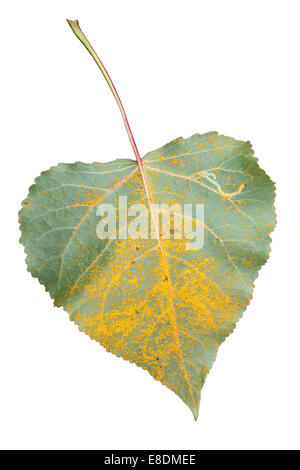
180,67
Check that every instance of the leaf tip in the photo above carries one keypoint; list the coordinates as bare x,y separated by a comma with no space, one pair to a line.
195,411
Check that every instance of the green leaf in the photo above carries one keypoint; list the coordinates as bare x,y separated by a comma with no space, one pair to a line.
153,302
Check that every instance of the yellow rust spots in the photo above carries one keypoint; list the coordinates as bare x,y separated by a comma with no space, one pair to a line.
26,205
146,325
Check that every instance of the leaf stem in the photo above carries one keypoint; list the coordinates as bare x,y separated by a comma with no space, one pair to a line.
74,25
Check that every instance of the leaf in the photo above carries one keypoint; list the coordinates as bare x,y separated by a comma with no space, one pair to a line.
164,308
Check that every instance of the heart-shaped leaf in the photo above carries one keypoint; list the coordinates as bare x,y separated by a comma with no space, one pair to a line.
161,302
163,307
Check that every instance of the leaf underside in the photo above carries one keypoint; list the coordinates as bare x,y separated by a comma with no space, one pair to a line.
118,291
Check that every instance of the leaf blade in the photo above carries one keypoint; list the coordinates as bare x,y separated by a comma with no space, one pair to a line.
117,292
